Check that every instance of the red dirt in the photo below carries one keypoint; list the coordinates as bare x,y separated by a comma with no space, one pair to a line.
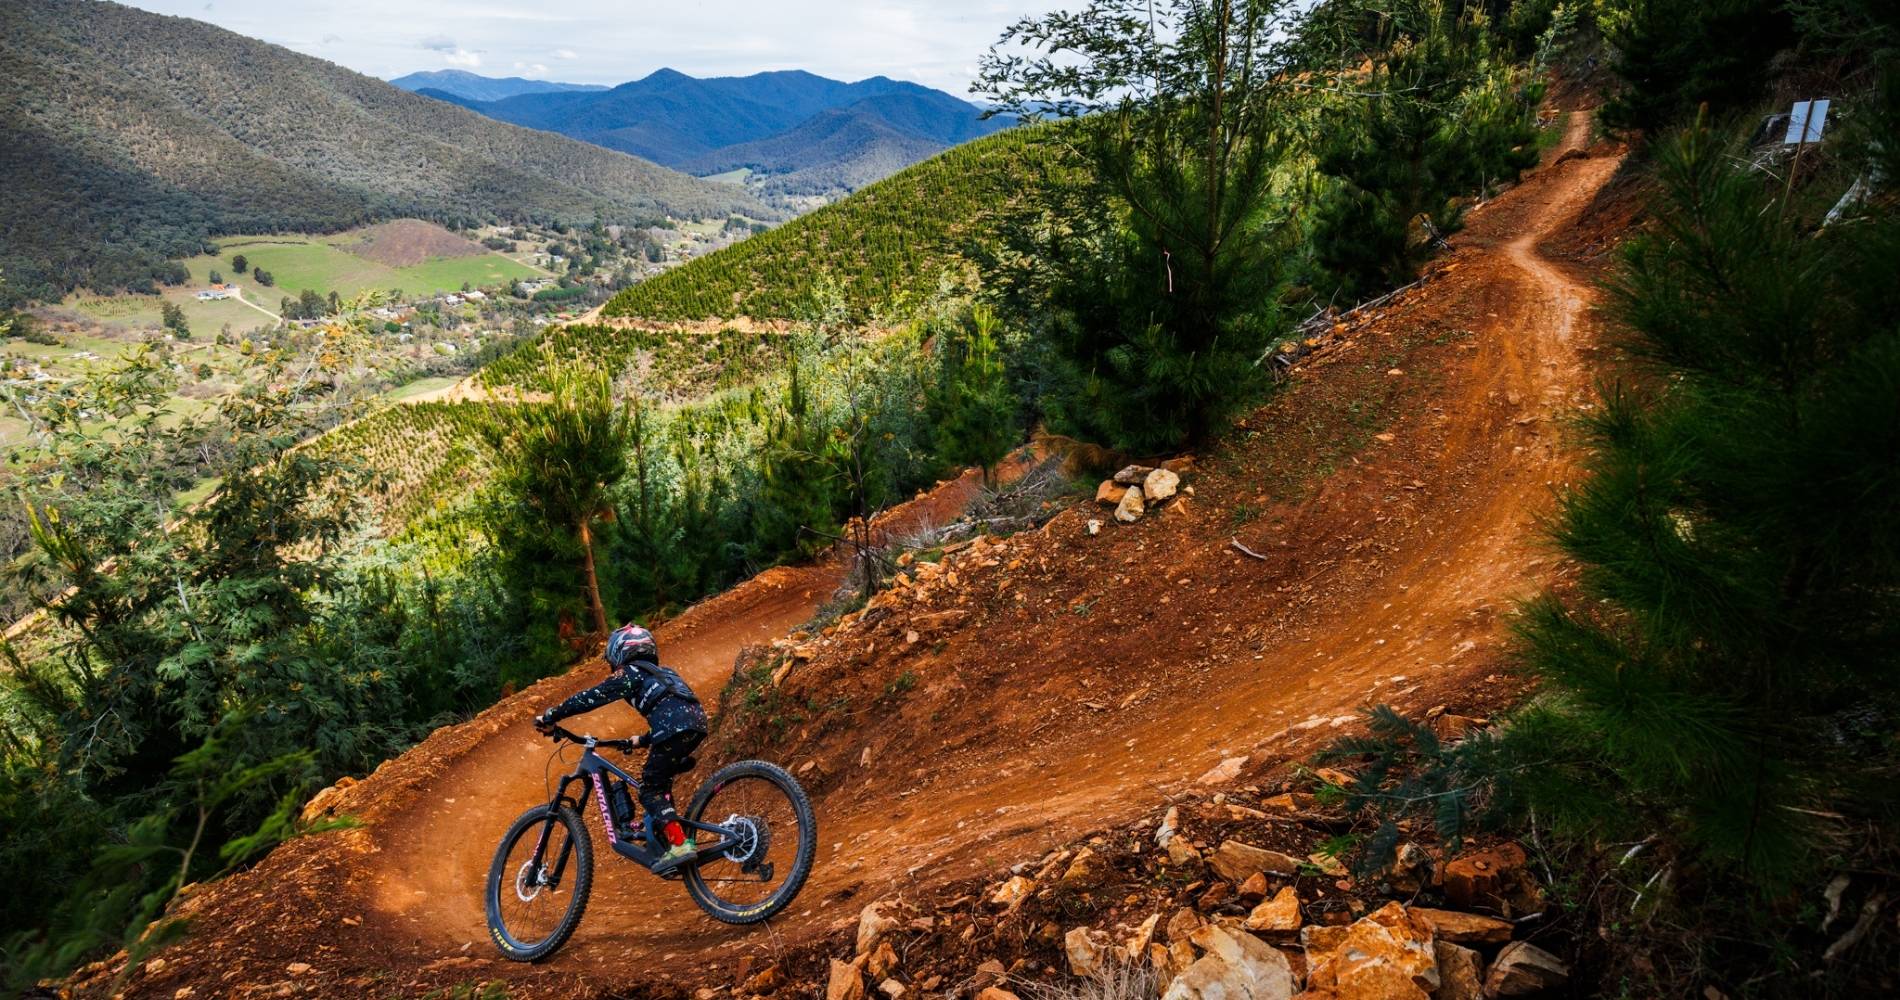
406,242
1089,674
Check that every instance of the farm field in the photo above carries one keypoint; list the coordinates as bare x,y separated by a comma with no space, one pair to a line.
320,263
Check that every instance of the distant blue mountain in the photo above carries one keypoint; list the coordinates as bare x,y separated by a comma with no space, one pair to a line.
814,134
475,87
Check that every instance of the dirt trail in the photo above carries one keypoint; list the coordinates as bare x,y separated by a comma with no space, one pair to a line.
1416,620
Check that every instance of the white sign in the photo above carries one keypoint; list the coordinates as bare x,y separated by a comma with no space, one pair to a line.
1806,121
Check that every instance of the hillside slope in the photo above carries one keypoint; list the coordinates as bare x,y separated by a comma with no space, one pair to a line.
475,87
128,137
1393,488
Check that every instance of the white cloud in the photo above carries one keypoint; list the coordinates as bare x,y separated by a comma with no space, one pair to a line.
531,69
934,42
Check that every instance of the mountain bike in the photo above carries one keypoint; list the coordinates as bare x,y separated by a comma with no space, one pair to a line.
747,866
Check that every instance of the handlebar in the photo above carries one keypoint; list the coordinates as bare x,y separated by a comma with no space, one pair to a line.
622,745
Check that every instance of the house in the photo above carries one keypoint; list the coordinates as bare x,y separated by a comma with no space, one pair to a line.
474,296
217,292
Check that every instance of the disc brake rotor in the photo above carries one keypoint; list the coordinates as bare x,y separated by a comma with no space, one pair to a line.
751,841
528,882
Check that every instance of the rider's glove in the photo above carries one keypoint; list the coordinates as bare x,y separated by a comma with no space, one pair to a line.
641,740
543,724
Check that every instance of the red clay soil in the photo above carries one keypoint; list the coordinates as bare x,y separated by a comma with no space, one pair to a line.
1393,486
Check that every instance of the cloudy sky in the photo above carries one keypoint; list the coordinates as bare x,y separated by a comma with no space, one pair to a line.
935,42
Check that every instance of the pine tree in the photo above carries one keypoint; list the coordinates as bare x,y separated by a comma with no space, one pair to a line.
559,461
972,406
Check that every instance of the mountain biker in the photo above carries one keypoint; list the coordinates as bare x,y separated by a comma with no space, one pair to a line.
675,721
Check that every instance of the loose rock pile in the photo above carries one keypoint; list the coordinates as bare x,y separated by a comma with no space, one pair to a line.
1137,488
1225,896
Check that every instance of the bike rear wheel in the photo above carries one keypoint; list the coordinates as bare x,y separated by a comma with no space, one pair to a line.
533,905
773,844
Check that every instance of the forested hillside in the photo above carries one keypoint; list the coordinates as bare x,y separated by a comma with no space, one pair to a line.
475,87
892,241
127,138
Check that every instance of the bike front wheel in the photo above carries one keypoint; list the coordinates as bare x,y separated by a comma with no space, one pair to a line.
772,838
538,883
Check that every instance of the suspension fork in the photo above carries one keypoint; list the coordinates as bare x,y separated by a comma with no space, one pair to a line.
541,845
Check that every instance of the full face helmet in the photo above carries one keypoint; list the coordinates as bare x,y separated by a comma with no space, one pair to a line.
631,642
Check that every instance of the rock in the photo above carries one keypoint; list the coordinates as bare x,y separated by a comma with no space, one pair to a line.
1279,915
1254,889
1411,869
891,988
846,982
1215,895
1180,852
1137,946
1386,955
1236,966
1237,861
1522,969
874,922
1131,508
1011,894
765,980
1182,465
1223,772
1318,939
996,993
882,962
1493,878
1090,951
1327,864
1460,972
1183,924
1132,475
989,973
1451,728
1094,526
1170,825
1290,802
1086,871
297,968
1464,928
1110,492
1159,485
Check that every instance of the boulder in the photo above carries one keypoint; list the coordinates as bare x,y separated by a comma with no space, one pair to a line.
891,988
1492,878
1223,772
1460,972
1279,915
1011,894
1131,508
1090,952
1464,928
1159,485
1132,475
1180,852
1087,871
1183,924
1254,889
1235,966
1110,492
1523,969
1137,946
1237,861
846,982
882,962
1387,955
874,922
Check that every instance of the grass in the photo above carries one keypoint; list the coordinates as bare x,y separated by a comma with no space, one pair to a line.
738,176
319,262
419,387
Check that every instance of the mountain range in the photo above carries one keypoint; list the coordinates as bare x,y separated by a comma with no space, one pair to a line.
475,87
129,138
796,132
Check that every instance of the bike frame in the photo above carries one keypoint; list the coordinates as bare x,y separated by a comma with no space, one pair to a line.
587,772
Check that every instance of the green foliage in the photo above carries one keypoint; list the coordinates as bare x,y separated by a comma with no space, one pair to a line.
886,248
173,319
1425,110
239,263
1672,55
1155,283
972,404
555,466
